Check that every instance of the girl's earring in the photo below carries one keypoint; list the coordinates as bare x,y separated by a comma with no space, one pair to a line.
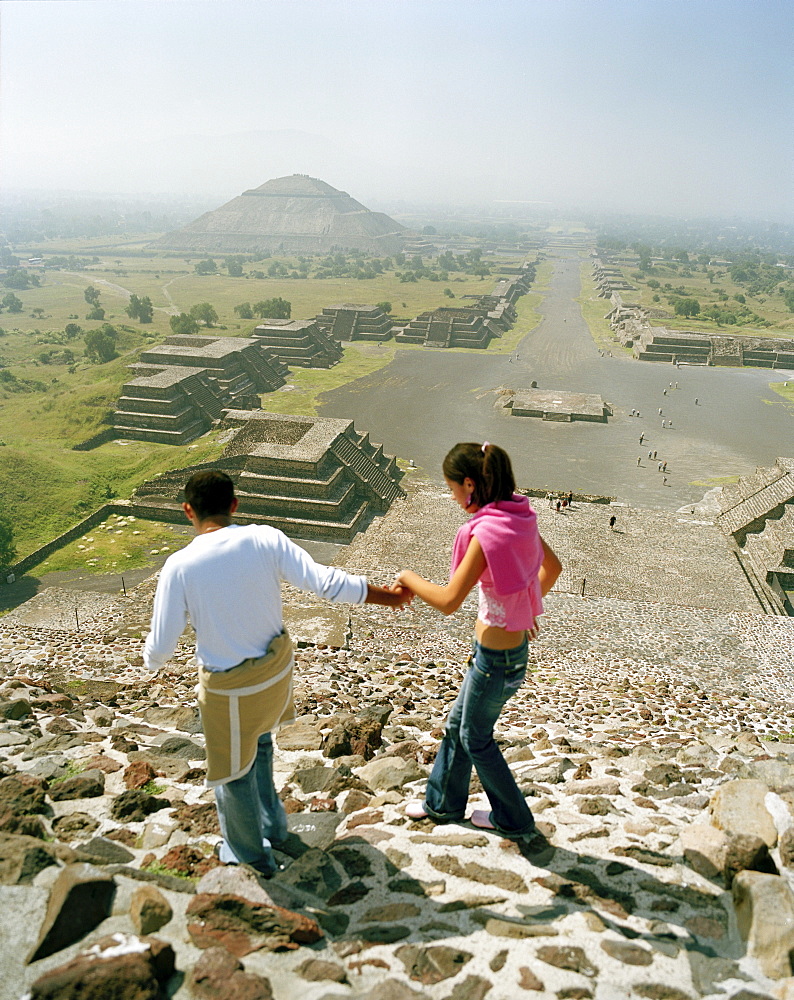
468,500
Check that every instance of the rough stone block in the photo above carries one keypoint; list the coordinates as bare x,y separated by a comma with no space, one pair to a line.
738,807
765,918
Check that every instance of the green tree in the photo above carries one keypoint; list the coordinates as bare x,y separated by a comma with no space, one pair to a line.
277,308
207,266
788,298
235,269
97,312
205,313
100,344
686,307
244,310
8,550
91,295
140,309
184,323
72,330
18,277
385,306
13,303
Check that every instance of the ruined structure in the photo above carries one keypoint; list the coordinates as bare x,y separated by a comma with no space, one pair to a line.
553,405
181,387
299,342
471,326
758,513
297,214
609,279
315,478
451,327
660,344
355,322
632,327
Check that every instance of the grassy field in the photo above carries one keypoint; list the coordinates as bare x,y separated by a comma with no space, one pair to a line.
49,401
710,286
118,544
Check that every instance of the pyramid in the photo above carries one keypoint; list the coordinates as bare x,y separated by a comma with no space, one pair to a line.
297,214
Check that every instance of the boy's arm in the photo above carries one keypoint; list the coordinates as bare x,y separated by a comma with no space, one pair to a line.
169,618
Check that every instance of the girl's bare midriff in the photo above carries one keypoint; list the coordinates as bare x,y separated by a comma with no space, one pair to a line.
493,637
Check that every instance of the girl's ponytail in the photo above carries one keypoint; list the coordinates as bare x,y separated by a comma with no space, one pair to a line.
487,465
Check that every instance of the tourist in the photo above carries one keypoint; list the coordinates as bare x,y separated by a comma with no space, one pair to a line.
642,437
570,499
664,466
558,506
663,425
654,455
659,468
612,522
501,549
696,401
227,581
660,411
639,460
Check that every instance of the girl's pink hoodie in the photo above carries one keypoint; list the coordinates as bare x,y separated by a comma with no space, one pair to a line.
507,530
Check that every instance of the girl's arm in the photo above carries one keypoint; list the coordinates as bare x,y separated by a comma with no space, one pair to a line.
550,569
449,598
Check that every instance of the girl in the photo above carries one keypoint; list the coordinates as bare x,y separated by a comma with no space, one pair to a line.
500,548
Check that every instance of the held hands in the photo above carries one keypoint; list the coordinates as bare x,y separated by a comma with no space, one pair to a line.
394,596
403,594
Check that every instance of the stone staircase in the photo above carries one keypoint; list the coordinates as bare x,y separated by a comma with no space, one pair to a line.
367,468
745,506
758,512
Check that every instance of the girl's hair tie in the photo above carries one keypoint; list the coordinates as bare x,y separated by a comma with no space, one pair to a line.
484,446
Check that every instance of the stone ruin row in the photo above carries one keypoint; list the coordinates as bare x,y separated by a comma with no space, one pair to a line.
758,513
182,387
315,478
657,343
469,326
609,279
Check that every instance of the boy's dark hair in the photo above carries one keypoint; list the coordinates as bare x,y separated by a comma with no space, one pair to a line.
209,492
489,468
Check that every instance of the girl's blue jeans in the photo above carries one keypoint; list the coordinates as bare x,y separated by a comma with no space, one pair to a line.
251,815
494,675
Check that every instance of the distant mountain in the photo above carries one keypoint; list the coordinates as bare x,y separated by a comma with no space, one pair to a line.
295,214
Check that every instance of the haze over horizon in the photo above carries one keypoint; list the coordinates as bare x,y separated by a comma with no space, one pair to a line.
674,108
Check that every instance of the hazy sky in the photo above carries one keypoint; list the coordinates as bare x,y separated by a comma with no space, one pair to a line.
638,105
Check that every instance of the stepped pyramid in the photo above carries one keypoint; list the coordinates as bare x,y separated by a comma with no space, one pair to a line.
297,214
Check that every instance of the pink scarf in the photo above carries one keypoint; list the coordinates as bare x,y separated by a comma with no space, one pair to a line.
508,534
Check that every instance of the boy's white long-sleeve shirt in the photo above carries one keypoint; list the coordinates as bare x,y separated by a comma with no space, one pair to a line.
227,582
